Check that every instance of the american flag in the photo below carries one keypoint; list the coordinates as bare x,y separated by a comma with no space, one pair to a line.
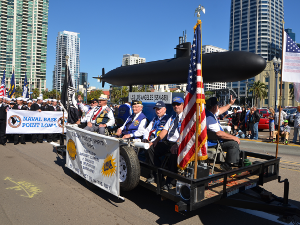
3,86
194,93
291,60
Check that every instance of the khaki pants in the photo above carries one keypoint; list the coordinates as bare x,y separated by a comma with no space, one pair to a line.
285,135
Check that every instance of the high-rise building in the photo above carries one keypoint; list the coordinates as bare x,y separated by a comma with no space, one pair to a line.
132,59
23,41
291,34
67,44
83,77
255,26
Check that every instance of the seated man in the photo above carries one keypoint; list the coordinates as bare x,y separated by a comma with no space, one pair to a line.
229,143
135,124
285,131
104,117
171,132
153,130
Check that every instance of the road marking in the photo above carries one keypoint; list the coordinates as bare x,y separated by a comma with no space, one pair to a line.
29,188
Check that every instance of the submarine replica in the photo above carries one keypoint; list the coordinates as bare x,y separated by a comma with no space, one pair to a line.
216,67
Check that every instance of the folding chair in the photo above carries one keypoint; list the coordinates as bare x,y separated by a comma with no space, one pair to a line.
213,137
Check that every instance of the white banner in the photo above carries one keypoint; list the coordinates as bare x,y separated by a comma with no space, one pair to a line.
94,157
34,122
166,97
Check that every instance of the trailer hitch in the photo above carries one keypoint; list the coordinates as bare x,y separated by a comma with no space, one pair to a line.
286,190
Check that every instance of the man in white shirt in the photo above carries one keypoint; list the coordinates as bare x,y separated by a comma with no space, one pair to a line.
229,143
171,132
104,117
135,124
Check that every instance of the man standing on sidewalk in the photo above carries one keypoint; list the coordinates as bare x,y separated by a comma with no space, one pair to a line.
256,121
296,125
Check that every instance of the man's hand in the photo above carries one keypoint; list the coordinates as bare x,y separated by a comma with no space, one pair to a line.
39,110
126,136
231,100
89,124
78,122
237,140
119,131
102,125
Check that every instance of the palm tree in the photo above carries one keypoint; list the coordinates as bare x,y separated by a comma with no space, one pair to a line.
258,90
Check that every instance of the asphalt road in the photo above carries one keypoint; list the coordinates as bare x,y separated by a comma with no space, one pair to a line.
36,188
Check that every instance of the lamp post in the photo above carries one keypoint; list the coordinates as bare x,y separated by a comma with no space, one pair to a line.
246,93
276,63
86,86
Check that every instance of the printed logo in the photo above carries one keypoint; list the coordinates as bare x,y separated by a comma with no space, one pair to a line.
136,122
60,121
14,121
71,148
109,167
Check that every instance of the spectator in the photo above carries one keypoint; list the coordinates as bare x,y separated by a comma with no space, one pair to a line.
297,125
255,125
282,117
285,131
271,122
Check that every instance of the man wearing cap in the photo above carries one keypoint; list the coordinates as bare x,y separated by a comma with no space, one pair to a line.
3,111
229,143
285,131
19,106
103,118
37,107
135,124
88,111
153,130
171,131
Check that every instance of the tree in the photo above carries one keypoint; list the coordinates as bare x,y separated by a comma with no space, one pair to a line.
291,92
117,94
258,90
94,94
54,94
18,92
209,94
35,93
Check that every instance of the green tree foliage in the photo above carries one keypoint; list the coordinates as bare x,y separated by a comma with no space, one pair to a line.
93,94
118,93
18,92
209,94
35,93
259,91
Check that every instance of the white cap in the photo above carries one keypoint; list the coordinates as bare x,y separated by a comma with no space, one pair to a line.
44,101
19,99
40,98
24,99
29,101
34,100
1,97
54,100
102,97
8,99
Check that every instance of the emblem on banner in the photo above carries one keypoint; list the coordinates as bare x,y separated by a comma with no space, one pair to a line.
71,148
14,121
136,122
60,121
109,166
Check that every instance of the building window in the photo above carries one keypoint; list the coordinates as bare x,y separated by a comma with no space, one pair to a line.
267,79
266,101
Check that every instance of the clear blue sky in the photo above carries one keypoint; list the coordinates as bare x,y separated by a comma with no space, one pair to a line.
110,29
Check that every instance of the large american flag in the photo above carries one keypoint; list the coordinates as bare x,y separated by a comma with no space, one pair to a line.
194,93
291,60
3,86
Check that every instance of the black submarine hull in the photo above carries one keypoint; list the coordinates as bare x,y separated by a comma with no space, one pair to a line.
217,67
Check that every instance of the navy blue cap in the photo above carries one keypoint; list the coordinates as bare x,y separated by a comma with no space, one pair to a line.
178,100
159,104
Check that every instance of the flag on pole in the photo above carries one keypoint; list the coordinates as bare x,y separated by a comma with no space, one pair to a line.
3,86
12,89
25,88
68,98
291,60
194,94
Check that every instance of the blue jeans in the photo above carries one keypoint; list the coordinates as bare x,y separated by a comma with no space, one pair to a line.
255,131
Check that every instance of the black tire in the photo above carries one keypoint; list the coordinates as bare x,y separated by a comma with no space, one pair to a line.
75,176
260,129
129,162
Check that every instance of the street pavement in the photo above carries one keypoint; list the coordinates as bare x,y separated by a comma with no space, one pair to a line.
37,188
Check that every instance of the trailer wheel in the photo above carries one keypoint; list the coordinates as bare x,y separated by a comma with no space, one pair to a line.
129,168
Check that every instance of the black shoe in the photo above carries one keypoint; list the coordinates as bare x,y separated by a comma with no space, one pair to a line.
167,187
16,143
225,167
33,142
23,143
4,144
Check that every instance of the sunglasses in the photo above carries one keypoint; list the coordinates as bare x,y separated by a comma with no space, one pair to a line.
175,103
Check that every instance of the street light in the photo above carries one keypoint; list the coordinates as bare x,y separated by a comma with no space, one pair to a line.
86,86
246,93
276,63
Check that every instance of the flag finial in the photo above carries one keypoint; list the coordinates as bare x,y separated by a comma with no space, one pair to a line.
198,10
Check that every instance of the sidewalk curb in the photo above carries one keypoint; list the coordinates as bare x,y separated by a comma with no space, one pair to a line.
243,139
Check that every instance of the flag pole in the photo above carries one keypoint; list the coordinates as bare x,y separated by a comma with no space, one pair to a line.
280,95
198,116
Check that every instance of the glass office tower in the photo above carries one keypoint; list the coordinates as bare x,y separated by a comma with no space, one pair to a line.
255,26
23,41
67,44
